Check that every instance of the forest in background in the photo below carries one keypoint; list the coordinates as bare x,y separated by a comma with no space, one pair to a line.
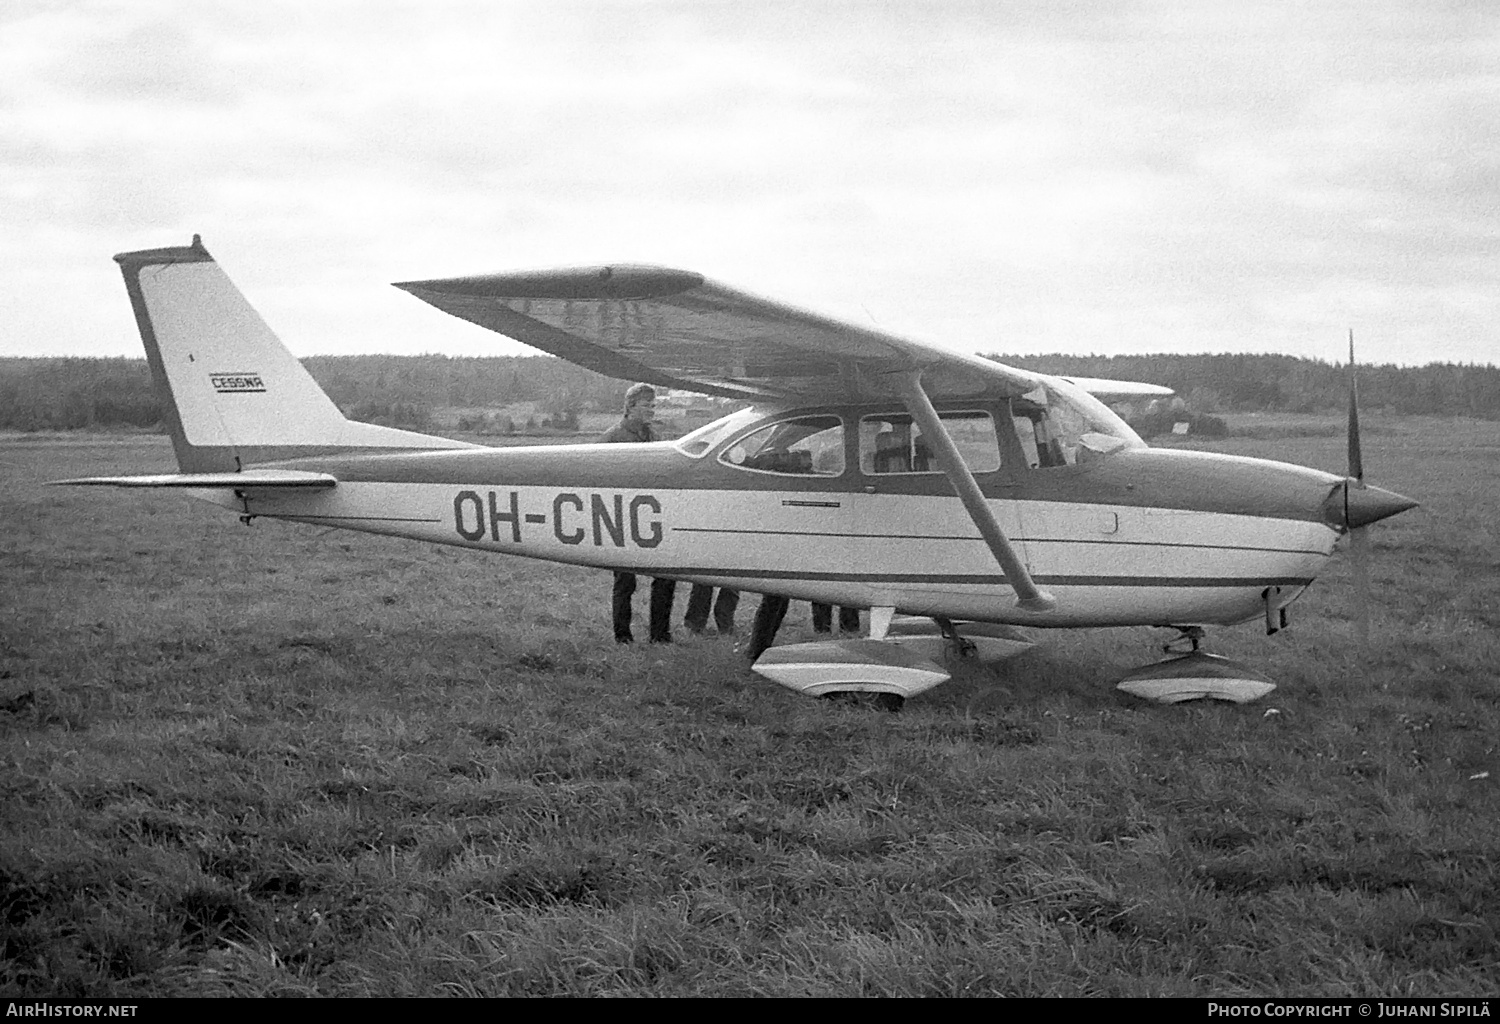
443,391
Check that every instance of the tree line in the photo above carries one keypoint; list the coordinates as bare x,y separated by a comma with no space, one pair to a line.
78,393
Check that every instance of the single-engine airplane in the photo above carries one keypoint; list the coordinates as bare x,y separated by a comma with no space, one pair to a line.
868,471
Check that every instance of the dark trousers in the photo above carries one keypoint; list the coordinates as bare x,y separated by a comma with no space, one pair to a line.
822,619
767,621
699,602
661,608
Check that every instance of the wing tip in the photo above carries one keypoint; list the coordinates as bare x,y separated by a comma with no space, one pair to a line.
1101,387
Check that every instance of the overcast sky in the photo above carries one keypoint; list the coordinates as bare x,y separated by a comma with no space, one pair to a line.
989,176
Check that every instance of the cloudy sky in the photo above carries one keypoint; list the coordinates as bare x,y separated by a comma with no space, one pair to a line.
992,176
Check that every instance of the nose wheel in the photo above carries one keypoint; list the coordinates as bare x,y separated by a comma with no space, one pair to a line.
1194,675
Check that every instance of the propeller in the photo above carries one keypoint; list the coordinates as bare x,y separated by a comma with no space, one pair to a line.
1359,540
1361,506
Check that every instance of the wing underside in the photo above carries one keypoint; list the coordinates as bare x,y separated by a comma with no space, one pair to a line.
679,329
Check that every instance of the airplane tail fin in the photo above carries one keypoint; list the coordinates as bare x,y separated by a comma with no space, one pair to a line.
233,393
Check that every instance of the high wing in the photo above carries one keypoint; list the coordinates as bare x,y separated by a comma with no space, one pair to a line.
678,329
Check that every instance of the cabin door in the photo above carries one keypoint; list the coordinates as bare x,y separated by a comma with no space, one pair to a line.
912,536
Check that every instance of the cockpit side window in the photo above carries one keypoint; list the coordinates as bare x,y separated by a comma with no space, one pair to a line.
893,443
805,446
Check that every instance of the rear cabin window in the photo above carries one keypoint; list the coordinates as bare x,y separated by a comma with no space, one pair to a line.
894,443
806,446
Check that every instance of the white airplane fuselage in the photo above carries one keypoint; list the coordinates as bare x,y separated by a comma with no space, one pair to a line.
880,473
1139,536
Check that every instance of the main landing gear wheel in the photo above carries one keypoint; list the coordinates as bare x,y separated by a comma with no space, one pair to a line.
872,673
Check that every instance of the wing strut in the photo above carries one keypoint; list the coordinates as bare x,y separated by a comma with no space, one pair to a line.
1028,596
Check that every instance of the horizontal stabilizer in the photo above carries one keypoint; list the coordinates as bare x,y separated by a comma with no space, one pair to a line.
239,481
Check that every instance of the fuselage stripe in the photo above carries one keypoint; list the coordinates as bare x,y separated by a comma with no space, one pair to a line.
980,540
991,579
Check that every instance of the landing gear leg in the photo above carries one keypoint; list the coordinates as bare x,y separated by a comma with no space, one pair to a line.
1191,635
955,646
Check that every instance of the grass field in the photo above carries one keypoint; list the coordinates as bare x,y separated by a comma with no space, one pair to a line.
280,760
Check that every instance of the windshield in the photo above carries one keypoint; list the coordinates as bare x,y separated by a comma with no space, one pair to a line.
805,446
1060,424
707,436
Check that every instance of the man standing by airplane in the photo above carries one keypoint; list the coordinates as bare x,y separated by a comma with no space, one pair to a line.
635,428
